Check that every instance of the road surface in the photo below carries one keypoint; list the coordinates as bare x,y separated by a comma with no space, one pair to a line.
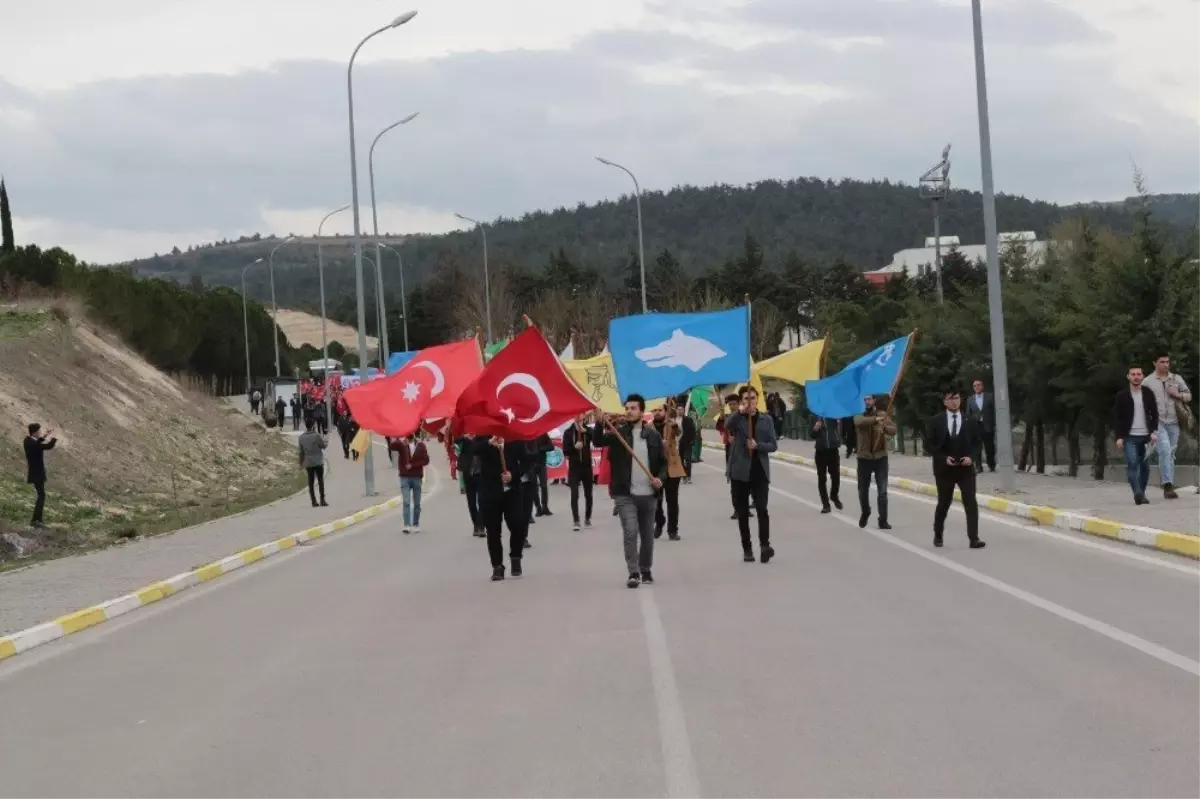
856,663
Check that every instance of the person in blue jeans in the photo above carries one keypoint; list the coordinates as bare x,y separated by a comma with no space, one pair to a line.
1135,420
411,459
1172,396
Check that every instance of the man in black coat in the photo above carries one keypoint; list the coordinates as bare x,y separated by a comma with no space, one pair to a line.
36,445
981,409
1135,420
577,447
502,498
953,438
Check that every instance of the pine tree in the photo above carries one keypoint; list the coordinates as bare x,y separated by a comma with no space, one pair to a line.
7,244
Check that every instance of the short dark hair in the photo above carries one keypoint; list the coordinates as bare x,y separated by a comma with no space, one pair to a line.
731,397
638,398
746,389
1136,366
309,424
1162,355
951,392
34,427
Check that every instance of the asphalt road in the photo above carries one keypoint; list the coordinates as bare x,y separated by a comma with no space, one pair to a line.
856,663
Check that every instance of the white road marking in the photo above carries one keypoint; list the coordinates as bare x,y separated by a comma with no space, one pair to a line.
1165,561
1150,648
678,765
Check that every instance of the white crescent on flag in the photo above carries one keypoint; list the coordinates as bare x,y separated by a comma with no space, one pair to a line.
533,384
439,379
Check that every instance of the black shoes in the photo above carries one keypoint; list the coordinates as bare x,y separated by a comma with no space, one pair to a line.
527,544
864,518
837,503
633,580
1140,499
516,567
883,525
768,552
658,533
748,555
497,573
937,540
826,509
647,578
977,544
673,536
1169,491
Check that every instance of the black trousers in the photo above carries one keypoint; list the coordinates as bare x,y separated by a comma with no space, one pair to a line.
878,469
685,455
511,509
345,444
471,492
39,503
732,490
577,480
542,499
948,478
670,497
987,443
829,469
316,474
742,494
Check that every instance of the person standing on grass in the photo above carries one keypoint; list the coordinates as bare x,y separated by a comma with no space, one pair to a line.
752,440
1170,393
37,444
826,435
871,431
634,492
412,456
312,458
1135,419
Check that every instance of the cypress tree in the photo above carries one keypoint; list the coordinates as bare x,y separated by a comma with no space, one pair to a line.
6,229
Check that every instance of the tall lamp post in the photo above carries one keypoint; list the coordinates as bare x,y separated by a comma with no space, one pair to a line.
368,461
487,289
637,196
274,307
246,321
324,333
935,184
403,300
383,335
1004,448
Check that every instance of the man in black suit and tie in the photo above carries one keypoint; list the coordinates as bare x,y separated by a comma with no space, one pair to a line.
953,438
981,409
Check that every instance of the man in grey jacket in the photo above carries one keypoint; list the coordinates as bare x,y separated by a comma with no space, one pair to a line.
752,440
312,459
1169,389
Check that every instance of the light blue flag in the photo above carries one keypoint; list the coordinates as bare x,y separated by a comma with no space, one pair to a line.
836,396
881,367
398,360
662,355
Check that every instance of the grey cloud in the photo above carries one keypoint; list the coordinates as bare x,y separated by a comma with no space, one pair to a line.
503,133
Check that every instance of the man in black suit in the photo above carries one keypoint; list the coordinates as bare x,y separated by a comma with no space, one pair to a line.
981,409
953,438
35,450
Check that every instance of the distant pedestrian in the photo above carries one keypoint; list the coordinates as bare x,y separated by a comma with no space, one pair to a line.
577,447
255,401
280,412
981,409
320,417
36,445
778,410
872,428
295,405
1172,396
312,459
826,435
468,469
411,459
1135,419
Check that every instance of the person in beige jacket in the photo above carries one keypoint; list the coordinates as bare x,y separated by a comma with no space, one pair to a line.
872,429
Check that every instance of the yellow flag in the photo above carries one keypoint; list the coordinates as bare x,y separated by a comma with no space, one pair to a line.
795,366
360,442
598,380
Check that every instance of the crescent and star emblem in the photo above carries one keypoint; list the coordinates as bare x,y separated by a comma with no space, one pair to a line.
439,380
530,382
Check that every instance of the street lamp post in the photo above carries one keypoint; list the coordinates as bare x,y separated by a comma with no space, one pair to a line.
487,289
1004,449
324,333
246,321
385,350
403,299
274,307
368,468
637,196
935,184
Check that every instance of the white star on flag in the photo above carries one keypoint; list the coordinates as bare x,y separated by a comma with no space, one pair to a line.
411,391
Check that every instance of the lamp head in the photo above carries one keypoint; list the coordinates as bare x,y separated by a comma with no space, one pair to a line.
410,117
605,161
403,18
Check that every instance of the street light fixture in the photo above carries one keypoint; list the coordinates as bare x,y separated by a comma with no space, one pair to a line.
1004,448
487,289
368,468
637,196
385,350
935,184
246,321
274,307
324,333
403,300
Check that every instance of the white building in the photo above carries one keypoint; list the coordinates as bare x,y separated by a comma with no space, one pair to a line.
920,260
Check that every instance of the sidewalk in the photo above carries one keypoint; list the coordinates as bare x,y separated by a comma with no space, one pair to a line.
1083,495
45,591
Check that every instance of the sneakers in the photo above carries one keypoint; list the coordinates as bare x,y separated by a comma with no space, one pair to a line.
673,536
516,567
527,544
633,580
748,555
647,578
587,522
937,540
416,528
480,534
575,527
406,529
767,553
1140,499
497,573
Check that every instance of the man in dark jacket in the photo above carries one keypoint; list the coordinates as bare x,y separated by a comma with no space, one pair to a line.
981,409
36,445
1135,419
826,435
634,491
751,442
953,441
501,499
577,447
468,465
543,446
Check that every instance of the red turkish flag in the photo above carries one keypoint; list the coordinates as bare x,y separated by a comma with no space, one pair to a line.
523,391
426,388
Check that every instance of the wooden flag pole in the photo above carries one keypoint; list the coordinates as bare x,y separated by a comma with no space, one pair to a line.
912,341
608,423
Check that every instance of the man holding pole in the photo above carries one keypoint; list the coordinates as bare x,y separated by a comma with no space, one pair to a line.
635,453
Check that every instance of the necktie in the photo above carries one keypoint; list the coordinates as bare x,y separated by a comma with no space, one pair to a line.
954,426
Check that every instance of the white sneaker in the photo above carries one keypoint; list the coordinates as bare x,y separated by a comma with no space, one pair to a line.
416,528
575,527
407,529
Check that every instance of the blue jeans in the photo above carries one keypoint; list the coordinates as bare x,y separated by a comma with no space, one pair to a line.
1168,442
410,494
1136,467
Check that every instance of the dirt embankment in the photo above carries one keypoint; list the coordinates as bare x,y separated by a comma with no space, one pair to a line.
136,454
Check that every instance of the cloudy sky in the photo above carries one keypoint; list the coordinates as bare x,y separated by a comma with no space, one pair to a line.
131,126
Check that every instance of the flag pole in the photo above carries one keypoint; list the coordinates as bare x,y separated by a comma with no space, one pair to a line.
825,352
608,423
912,340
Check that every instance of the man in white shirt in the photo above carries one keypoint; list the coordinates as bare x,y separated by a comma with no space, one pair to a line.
1135,420
1168,388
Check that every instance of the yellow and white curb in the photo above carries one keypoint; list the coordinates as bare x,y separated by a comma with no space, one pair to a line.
1185,544
63,626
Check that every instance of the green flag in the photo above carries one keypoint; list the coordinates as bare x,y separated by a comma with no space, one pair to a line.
699,399
490,350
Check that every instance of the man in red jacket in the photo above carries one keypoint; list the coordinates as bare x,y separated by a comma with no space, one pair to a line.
411,458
